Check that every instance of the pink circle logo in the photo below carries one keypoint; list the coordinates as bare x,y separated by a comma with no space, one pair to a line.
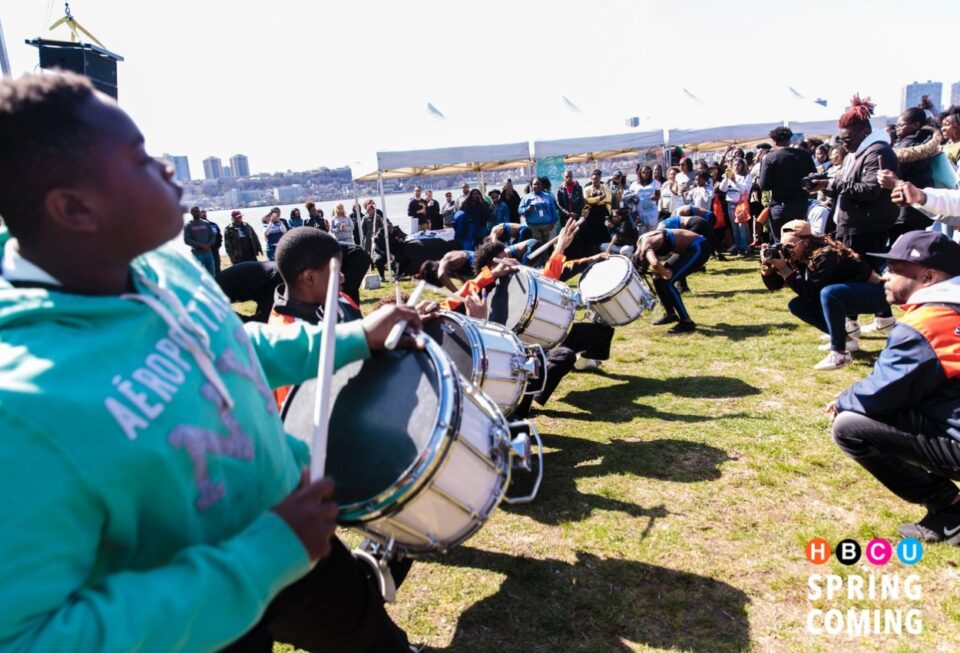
878,551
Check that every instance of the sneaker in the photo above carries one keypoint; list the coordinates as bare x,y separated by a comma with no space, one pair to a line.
684,326
834,361
943,526
853,329
583,363
666,319
879,324
852,345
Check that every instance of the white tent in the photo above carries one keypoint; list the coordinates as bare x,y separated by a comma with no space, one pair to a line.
715,138
824,128
588,148
448,160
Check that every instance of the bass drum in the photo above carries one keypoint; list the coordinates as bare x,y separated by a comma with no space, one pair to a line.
539,310
488,355
419,457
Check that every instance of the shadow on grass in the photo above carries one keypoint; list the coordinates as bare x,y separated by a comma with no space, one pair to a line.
559,500
732,293
614,403
595,604
737,332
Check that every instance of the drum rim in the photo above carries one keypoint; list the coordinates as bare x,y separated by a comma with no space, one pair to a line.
620,285
425,466
532,295
501,460
477,350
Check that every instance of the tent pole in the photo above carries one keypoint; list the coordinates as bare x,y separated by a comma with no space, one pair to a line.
386,233
4,61
483,184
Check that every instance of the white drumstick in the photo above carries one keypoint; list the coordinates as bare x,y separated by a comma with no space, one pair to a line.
397,331
321,404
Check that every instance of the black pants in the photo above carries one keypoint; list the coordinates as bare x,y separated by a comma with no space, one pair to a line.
356,262
783,212
335,607
686,263
876,242
587,338
914,466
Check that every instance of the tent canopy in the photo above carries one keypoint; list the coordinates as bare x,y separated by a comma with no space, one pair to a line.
829,127
449,160
715,138
589,148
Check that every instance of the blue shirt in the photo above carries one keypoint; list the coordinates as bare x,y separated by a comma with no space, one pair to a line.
539,208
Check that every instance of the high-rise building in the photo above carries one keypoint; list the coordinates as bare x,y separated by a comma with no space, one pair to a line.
912,93
240,165
227,171
955,94
181,166
212,168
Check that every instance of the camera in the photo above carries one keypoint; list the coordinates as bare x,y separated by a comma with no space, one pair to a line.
772,252
807,182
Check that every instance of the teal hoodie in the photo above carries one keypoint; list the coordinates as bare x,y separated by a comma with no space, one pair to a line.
139,463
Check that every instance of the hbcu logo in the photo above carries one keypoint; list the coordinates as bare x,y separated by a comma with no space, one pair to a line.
878,551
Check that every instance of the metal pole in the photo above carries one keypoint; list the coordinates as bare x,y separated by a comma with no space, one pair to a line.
4,60
386,232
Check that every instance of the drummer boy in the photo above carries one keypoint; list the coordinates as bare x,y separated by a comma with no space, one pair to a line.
152,499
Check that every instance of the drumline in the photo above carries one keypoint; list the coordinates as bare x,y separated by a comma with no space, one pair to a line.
434,489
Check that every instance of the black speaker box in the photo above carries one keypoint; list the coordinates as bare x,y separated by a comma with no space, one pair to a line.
96,63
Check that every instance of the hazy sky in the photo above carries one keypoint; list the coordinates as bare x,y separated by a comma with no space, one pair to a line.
297,84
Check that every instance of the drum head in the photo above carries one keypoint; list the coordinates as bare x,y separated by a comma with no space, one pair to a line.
452,336
508,301
604,277
383,414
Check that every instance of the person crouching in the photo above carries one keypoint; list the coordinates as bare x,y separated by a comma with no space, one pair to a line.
831,282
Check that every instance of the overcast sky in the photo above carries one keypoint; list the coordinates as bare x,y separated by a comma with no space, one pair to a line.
296,84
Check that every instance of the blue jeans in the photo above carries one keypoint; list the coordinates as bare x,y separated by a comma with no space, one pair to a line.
741,230
783,212
836,301
206,260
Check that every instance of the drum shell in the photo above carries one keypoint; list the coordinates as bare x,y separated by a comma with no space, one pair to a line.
498,358
551,308
625,301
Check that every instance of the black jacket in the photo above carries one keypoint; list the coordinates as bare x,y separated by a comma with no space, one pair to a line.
232,240
862,205
919,173
781,172
828,268
571,204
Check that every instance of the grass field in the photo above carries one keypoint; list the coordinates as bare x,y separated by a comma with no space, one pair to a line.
682,483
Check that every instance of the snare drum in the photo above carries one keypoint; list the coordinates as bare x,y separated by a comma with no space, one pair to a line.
420,457
539,310
488,355
615,292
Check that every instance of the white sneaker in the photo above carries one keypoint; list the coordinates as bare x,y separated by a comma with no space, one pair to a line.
582,363
880,324
853,329
834,360
852,345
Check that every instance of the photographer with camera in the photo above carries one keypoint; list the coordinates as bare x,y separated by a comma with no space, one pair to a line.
830,280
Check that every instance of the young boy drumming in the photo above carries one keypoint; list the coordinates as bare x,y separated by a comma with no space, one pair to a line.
153,500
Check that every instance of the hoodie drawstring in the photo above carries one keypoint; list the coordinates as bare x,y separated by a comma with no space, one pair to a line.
190,335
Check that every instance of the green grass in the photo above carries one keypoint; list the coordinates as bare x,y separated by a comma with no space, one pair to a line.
681,485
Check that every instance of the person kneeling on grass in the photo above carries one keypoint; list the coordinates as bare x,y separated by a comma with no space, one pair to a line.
902,423
831,282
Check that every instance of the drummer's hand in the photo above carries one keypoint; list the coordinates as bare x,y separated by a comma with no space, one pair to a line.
428,309
504,267
665,272
475,307
377,326
311,514
566,236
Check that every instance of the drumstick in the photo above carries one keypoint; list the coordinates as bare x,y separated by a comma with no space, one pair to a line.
397,331
543,248
443,291
613,241
321,404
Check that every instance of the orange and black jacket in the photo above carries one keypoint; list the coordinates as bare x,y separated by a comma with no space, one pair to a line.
288,311
919,369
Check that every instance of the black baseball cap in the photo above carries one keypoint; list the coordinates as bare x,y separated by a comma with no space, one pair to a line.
930,249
